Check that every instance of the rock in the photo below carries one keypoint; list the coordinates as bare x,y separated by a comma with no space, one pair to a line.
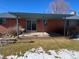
12,57
40,50
32,50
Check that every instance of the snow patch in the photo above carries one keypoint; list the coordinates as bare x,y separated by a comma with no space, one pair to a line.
39,53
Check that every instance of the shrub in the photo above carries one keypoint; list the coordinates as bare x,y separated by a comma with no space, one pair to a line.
12,31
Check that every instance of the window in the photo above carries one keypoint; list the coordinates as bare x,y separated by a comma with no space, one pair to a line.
2,21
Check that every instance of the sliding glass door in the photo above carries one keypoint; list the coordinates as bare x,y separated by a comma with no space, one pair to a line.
31,25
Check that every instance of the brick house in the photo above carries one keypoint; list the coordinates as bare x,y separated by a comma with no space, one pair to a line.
51,23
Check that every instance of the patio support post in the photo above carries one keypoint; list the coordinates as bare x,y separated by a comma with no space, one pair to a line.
43,25
17,27
65,25
31,25
26,25
68,28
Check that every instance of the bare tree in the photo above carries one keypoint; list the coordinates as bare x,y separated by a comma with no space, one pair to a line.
59,7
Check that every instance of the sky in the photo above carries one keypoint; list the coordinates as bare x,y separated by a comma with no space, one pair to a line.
32,6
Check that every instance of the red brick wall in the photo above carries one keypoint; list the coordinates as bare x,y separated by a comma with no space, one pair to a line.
12,22
50,26
22,22
9,23
39,25
53,25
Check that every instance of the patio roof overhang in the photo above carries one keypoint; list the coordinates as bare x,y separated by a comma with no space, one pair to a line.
7,15
41,16
73,18
34,16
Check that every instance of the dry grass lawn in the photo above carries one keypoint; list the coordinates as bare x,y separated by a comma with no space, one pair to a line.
47,43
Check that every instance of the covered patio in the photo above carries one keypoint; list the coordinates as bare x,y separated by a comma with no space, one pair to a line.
44,19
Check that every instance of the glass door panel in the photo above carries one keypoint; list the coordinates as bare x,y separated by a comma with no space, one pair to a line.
31,25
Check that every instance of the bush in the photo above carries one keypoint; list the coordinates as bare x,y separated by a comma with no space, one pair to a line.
12,31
